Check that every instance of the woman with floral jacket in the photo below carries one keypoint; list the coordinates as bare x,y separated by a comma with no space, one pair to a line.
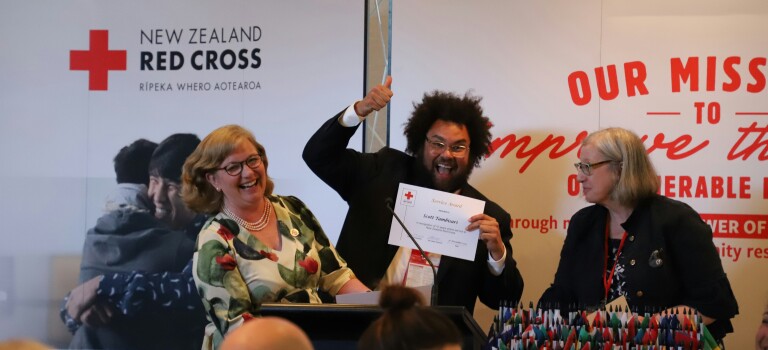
257,247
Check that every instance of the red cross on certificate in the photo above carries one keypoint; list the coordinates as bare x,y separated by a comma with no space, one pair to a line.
98,60
408,195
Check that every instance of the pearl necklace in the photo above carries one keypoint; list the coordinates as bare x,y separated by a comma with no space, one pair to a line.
252,226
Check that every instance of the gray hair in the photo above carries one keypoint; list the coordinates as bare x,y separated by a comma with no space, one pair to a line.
637,177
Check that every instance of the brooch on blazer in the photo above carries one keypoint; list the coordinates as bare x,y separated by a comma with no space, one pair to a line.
657,258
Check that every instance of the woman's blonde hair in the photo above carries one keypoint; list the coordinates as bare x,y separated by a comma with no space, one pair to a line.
637,177
198,194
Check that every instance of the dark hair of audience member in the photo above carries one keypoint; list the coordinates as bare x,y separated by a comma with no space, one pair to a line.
168,159
132,162
407,324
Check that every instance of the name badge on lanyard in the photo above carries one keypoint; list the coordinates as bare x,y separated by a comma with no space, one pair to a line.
419,273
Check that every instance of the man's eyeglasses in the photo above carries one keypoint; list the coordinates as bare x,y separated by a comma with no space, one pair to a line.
437,147
586,168
236,168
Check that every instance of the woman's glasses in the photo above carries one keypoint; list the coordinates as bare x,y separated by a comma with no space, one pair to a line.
586,168
236,168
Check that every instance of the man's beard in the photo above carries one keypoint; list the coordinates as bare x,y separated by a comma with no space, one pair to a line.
458,178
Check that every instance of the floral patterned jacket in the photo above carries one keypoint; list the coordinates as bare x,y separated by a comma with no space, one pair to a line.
235,272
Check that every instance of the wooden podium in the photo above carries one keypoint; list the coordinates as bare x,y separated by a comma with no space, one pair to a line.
339,326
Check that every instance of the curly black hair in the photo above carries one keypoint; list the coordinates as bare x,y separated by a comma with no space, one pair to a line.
449,107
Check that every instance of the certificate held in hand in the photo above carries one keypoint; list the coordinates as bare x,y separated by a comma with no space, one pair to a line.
437,220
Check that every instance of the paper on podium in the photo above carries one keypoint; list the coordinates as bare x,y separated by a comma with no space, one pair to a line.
372,298
369,298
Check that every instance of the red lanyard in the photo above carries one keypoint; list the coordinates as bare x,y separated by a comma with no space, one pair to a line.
608,279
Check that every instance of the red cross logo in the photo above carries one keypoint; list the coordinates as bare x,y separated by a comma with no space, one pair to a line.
408,195
98,60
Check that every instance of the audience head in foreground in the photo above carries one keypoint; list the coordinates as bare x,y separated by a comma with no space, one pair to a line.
22,344
267,333
761,338
407,324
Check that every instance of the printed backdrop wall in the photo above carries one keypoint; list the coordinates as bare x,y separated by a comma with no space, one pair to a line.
690,76
81,79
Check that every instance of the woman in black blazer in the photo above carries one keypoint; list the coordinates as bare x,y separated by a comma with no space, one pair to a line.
654,251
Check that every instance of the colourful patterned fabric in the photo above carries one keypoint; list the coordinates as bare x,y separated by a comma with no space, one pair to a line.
235,272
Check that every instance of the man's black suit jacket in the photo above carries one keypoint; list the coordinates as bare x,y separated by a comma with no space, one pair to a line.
365,181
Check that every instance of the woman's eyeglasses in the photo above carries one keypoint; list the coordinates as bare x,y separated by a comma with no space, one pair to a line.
236,168
586,168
